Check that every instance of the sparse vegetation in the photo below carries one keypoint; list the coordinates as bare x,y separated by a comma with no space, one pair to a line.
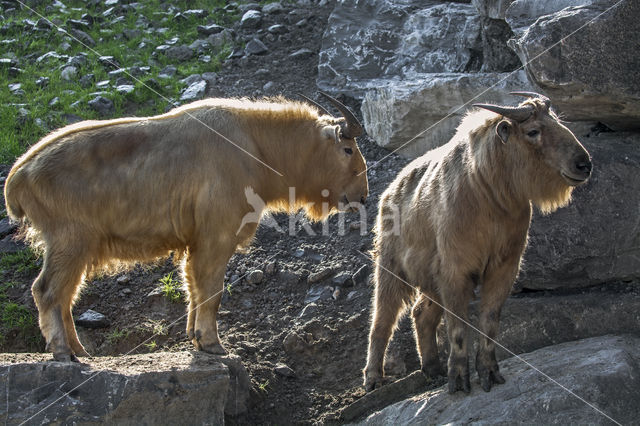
17,319
151,346
116,335
52,99
171,288
23,262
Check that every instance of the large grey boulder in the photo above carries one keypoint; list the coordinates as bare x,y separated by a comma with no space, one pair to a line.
590,381
597,237
585,58
157,388
367,43
417,115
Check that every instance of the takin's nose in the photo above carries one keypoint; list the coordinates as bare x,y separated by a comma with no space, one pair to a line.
583,166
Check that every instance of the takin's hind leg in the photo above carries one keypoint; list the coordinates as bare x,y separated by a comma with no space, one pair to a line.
204,272
427,313
53,291
390,297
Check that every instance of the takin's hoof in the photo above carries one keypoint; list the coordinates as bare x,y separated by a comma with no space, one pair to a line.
433,370
213,348
373,382
459,381
489,376
65,357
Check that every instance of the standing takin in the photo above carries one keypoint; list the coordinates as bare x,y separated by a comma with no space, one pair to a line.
464,211
134,189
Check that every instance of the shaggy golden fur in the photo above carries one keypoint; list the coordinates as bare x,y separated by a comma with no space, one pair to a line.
134,189
457,218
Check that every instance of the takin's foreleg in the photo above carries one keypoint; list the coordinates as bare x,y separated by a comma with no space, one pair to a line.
54,291
496,287
204,273
456,295
427,313
390,297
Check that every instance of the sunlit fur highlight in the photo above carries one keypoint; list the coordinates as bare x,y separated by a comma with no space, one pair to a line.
464,211
102,195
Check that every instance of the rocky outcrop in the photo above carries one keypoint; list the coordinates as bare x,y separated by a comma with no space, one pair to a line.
597,237
157,388
583,57
422,114
368,44
590,381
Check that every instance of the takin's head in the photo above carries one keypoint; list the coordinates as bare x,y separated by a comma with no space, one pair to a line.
549,160
344,186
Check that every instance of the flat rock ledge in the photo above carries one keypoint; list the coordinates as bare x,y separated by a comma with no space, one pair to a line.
603,371
156,388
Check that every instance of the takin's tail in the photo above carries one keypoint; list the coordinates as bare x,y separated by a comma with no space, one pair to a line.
12,189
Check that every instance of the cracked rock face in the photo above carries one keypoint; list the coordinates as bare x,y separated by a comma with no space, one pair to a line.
156,388
608,379
590,72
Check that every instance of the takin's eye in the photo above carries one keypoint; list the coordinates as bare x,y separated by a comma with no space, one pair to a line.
533,133
349,151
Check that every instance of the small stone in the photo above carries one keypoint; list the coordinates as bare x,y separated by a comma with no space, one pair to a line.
86,80
220,39
122,80
14,72
167,72
278,29
269,86
92,319
83,37
44,23
125,88
301,54
273,8
123,279
284,370
131,34
108,62
342,278
54,102
199,46
360,276
270,268
198,13
69,73
101,104
194,91
126,291
64,46
299,252
236,53
210,77
78,24
191,79
207,30
255,47
50,55
301,23
251,19
353,295
180,53
78,60
103,84
255,277
116,73
14,87
318,292
320,275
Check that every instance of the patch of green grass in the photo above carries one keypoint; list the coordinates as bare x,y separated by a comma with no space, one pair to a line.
263,386
17,320
116,335
152,95
23,262
171,288
152,345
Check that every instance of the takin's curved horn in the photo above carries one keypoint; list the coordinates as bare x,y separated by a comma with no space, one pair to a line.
519,114
543,98
353,127
317,105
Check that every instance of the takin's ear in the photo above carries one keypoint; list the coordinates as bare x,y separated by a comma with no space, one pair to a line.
331,132
503,129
